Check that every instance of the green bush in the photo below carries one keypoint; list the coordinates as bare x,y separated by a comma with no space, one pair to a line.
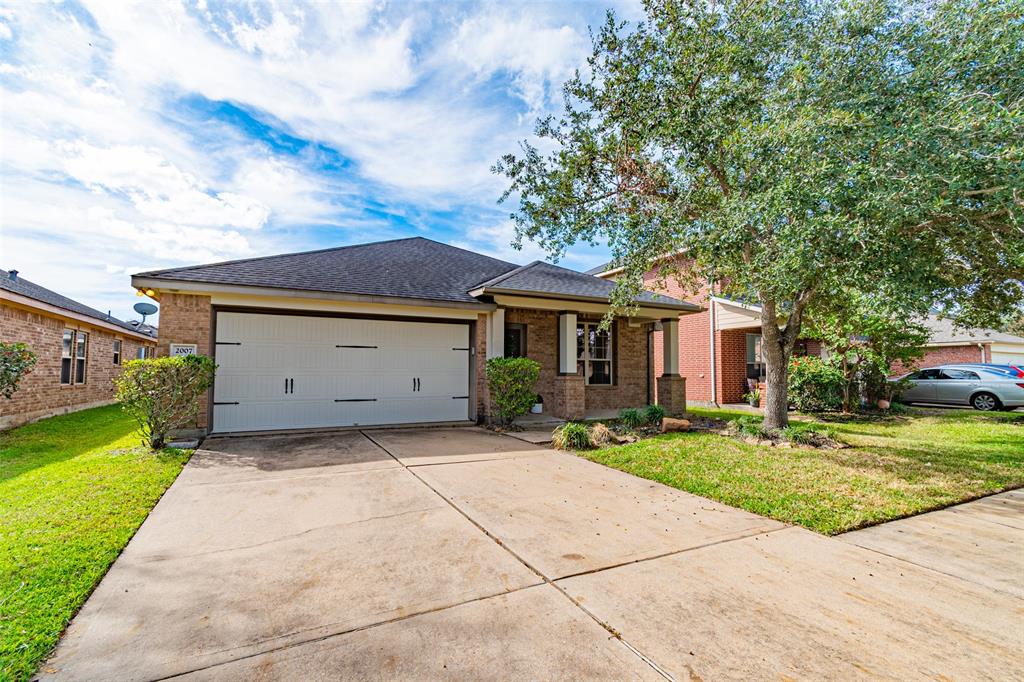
571,436
815,385
631,418
749,426
511,383
16,360
162,394
653,414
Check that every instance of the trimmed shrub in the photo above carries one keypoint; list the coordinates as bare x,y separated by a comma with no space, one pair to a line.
631,418
16,360
600,435
571,436
511,383
815,385
162,394
653,414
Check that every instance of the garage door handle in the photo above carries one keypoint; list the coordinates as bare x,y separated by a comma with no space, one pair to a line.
291,385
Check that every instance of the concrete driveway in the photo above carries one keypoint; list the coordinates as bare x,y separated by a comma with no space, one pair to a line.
457,553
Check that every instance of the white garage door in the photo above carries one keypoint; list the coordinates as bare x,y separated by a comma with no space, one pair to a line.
291,372
1004,358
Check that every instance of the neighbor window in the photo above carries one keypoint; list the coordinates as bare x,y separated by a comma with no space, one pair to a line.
81,345
117,351
755,361
515,340
66,349
594,353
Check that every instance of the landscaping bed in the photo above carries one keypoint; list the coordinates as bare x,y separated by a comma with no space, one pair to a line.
882,468
73,491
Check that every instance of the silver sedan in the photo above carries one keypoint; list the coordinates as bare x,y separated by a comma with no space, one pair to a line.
983,387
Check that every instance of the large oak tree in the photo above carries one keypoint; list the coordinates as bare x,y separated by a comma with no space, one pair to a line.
796,150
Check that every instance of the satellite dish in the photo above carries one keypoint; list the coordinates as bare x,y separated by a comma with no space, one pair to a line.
144,309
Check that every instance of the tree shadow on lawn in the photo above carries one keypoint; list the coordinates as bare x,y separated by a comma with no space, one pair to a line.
57,439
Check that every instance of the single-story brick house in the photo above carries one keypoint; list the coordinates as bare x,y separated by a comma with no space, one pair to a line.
79,350
948,344
398,332
720,346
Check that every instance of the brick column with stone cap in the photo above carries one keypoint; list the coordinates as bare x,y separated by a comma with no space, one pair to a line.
672,394
568,400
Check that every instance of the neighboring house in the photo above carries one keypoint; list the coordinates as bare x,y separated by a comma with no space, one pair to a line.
729,331
720,346
79,350
948,344
398,332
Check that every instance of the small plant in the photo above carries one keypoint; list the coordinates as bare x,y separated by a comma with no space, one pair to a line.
571,436
511,383
16,360
749,426
631,418
162,394
600,435
753,397
653,414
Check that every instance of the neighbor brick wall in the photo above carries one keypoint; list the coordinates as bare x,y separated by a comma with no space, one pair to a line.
40,394
943,355
185,318
731,365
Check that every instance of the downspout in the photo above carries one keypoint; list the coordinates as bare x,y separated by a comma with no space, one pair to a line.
981,347
711,331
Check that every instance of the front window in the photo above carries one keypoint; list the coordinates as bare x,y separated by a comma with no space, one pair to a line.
594,353
81,346
755,361
515,340
66,348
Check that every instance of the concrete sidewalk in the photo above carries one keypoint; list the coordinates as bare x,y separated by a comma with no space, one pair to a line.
458,553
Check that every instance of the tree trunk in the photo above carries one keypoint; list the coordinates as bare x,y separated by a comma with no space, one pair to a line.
776,403
777,348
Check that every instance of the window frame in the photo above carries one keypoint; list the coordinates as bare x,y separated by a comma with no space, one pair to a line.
67,357
117,351
758,355
583,356
81,360
523,345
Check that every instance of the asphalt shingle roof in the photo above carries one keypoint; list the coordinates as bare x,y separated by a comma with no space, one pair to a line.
944,331
545,278
407,268
415,268
24,287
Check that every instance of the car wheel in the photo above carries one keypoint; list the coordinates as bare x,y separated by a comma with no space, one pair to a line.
986,402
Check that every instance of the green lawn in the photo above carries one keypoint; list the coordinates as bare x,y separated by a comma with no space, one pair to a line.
896,467
73,491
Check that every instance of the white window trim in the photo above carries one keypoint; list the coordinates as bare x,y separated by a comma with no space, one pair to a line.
586,359
117,351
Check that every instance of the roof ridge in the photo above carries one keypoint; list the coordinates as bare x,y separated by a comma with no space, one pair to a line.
502,277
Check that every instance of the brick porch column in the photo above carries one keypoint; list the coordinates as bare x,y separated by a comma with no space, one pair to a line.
568,400
672,394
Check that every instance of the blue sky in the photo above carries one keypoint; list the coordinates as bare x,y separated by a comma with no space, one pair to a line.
166,133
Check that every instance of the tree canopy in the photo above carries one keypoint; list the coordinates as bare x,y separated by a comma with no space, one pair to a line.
796,150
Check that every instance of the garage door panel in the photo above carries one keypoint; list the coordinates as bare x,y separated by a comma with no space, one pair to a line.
338,372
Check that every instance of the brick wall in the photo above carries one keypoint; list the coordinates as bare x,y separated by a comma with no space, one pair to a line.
40,393
481,367
943,355
185,318
731,365
630,389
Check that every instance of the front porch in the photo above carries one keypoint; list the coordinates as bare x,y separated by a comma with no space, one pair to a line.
586,371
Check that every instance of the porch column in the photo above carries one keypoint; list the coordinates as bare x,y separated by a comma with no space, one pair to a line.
670,346
496,334
567,343
569,400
